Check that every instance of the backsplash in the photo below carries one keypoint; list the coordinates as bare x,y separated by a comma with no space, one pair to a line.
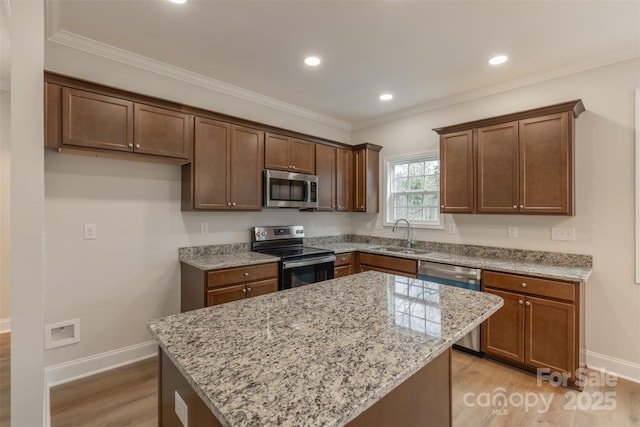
519,255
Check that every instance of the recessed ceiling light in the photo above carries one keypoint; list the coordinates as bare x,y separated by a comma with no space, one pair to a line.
386,97
312,61
178,1
500,59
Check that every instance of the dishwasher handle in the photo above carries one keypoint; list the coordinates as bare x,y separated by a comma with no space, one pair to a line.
446,271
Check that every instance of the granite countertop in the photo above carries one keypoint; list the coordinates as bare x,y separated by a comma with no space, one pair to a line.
228,260
319,354
573,274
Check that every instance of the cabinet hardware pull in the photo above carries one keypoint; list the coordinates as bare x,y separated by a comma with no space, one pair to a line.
244,290
130,145
519,301
229,204
442,206
521,206
528,303
361,207
524,285
343,259
293,167
233,204
248,289
137,145
339,206
515,206
246,274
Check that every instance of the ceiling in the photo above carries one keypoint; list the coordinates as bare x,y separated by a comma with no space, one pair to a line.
422,52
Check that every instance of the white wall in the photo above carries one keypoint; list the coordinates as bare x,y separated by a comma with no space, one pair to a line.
5,194
131,273
604,195
27,211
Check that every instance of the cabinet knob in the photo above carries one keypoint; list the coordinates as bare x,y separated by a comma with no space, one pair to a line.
515,206
233,204
229,204
361,207
137,145
333,206
244,290
524,285
343,259
521,206
246,274
339,206
248,289
441,206
519,301
293,167
528,303
130,145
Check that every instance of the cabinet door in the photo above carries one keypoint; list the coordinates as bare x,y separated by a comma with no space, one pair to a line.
456,172
96,121
550,335
344,181
226,294
262,287
161,132
497,163
276,152
247,158
325,169
303,156
360,181
545,165
503,333
211,184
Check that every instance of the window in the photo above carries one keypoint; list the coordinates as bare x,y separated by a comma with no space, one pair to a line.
413,190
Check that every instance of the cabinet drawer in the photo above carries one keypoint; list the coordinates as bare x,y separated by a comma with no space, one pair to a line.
262,287
342,271
225,294
529,285
249,273
343,259
390,263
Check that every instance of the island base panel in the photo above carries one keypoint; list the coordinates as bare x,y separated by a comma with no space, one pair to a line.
424,399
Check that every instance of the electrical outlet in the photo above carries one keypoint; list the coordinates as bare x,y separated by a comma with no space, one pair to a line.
379,224
563,234
512,232
204,228
90,232
182,410
451,228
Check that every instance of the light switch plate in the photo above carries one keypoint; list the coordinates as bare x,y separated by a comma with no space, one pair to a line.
451,228
512,232
204,228
90,232
563,234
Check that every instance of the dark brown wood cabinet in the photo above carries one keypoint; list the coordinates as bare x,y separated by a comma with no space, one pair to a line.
517,163
366,173
344,264
539,326
226,171
201,288
344,180
289,154
326,171
84,120
387,264
456,172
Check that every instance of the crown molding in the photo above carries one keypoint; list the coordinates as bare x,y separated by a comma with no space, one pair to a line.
55,35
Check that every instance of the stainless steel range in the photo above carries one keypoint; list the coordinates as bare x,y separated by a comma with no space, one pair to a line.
299,265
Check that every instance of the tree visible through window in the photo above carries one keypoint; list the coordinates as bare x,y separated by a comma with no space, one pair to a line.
413,190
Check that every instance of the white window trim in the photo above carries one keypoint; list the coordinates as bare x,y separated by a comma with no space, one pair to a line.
385,199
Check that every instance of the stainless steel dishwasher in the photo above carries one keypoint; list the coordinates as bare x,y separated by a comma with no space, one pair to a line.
461,277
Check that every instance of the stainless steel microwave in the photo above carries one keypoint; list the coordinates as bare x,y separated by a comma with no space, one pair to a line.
290,190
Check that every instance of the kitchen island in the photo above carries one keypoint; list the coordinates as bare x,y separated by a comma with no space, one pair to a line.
366,348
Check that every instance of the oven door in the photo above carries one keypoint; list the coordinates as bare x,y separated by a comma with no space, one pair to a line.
305,271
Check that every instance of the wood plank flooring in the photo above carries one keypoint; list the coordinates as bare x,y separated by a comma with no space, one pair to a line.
5,379
127,396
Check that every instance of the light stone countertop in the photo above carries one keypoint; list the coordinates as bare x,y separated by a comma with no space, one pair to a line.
319,354
238,259
572,274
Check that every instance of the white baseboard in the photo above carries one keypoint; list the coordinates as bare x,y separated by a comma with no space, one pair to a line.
5,325
618,367
80,368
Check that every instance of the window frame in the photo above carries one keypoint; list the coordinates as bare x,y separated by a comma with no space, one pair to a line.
387,219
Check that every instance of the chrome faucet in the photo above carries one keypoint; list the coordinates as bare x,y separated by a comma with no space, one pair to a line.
409,242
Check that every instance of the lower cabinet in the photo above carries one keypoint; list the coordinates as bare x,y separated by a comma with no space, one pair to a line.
201,288
344,265
388,264
538,328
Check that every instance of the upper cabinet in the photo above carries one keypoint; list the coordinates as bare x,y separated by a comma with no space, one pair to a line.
289,154
517,163
344,180
85,120
366,172
326,171
226,171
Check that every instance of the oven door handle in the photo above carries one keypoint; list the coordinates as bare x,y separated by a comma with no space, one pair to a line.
308,261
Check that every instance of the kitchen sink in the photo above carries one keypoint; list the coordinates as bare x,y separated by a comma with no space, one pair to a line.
405,251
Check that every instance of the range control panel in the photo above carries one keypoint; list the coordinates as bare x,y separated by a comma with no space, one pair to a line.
277,232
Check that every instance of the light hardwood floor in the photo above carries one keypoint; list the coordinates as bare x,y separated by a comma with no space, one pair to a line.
5,379
127,396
